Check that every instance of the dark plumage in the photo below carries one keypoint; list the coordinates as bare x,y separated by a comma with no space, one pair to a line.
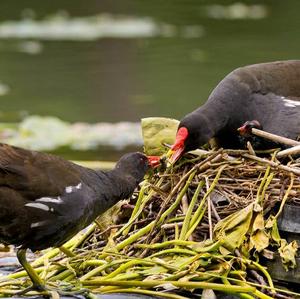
267,92
45,200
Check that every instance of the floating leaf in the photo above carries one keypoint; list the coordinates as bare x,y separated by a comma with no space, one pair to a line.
157,131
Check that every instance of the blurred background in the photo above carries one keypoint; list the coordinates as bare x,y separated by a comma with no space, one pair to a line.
77,76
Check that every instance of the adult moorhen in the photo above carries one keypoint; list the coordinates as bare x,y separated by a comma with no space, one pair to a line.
45,200
267,92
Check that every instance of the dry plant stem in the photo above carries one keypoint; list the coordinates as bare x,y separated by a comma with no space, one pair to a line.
250,148
274,137
266,273
239,152
258,277
213,208
275,165
290,151
167,243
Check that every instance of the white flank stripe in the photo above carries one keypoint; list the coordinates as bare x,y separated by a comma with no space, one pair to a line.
50,199
290,103
37,206
70,189
36,224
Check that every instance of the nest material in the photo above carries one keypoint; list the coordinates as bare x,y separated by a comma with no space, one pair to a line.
204,224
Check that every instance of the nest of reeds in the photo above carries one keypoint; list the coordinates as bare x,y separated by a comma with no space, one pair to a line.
207,223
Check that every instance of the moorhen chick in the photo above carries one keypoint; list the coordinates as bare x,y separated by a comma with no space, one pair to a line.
45,200
245,135
257,142
266,92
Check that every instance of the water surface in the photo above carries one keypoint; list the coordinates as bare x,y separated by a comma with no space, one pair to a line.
165,63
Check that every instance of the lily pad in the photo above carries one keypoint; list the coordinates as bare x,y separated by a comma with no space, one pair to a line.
158,131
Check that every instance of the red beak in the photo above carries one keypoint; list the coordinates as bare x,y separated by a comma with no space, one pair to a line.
242,130
178,147
154,161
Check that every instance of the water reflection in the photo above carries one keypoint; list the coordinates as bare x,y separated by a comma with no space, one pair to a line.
132,58
51,133
61,26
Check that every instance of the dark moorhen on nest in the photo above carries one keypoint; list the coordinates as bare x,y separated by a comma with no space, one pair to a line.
267,92
45,200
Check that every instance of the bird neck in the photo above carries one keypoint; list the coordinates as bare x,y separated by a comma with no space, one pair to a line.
124,183
212,119
114,187
227,106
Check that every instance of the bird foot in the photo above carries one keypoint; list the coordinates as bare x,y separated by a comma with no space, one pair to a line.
38,288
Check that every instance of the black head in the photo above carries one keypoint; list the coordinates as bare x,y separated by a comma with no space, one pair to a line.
190,136
198,129
246,129
136,165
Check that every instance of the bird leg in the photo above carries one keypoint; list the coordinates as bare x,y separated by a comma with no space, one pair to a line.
37,283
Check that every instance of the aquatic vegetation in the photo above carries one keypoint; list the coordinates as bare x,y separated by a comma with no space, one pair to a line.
207,222
50,133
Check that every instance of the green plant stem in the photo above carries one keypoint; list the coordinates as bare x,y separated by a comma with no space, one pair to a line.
150,226
139,206
181,284
186,222
266,274
286,195
173,251
200,211
147,292
125,266
101,268
166,244
92,263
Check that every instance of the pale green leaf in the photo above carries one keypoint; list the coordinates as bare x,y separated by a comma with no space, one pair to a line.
157,131
259,240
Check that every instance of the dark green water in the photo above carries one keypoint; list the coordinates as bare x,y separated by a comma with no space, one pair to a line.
115,79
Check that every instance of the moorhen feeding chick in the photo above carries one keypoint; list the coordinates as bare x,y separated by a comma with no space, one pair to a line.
45,200
266,92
